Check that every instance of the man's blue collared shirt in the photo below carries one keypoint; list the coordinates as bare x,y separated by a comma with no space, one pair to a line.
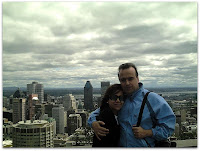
128,116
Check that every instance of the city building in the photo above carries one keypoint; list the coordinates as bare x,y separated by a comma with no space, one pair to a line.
36,88
104,86
19,94
47,98
183,115
50,120
84,116
74,121
37,133
6,102
32,100
88,96
8,114
58,115
7,129
48,108
60,140
19,109
39,110
69,101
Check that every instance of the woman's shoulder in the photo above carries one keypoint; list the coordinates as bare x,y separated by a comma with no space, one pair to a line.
107,116
106,112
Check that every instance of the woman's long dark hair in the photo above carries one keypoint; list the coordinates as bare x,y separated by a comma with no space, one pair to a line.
113,89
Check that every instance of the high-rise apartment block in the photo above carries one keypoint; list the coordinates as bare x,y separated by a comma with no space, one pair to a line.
36,88
37,133
88,96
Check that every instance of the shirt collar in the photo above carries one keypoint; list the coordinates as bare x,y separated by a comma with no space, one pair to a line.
135,92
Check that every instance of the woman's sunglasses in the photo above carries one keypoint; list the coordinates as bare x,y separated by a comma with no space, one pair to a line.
115,97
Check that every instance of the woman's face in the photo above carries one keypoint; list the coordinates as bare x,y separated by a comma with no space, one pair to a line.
116,101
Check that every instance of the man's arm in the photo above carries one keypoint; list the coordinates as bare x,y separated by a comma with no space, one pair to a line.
96,125
166,119
92,117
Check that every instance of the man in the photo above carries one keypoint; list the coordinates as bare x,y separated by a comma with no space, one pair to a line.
148,131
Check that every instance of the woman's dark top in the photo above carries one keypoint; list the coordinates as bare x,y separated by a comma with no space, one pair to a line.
110,140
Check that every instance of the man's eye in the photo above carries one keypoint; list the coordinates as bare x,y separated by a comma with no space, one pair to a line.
130,79
123,80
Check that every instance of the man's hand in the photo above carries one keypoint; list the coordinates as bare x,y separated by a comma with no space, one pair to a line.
139,132
99,130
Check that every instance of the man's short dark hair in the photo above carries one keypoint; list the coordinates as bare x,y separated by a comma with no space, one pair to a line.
126,66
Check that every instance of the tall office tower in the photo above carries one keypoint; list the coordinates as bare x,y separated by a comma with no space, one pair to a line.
74,121
58,115
104,86
37,133
36,88
69,101
19,109
88,96
32,100
18,94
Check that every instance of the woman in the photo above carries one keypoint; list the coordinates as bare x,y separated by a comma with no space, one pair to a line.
110,105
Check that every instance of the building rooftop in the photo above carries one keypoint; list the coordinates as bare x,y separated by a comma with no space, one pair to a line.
31,124
18,94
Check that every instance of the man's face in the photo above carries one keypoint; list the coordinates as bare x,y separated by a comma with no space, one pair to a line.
128,80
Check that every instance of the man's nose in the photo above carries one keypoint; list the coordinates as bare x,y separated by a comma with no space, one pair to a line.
127,82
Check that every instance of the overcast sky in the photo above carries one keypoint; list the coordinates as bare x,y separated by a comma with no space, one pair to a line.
63,44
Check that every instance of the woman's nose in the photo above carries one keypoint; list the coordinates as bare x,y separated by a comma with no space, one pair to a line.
117,100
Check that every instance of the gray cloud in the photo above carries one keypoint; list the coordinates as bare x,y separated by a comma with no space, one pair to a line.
63,44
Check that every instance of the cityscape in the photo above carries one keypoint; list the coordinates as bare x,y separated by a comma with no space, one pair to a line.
58,59
38,117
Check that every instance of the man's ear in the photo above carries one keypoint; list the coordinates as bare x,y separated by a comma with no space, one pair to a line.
138,79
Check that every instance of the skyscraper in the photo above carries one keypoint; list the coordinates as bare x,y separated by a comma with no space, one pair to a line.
58,115
104,86
32,98
36,88
69,101
19,111
88,96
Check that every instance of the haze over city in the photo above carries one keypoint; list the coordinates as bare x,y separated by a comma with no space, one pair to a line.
65,44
